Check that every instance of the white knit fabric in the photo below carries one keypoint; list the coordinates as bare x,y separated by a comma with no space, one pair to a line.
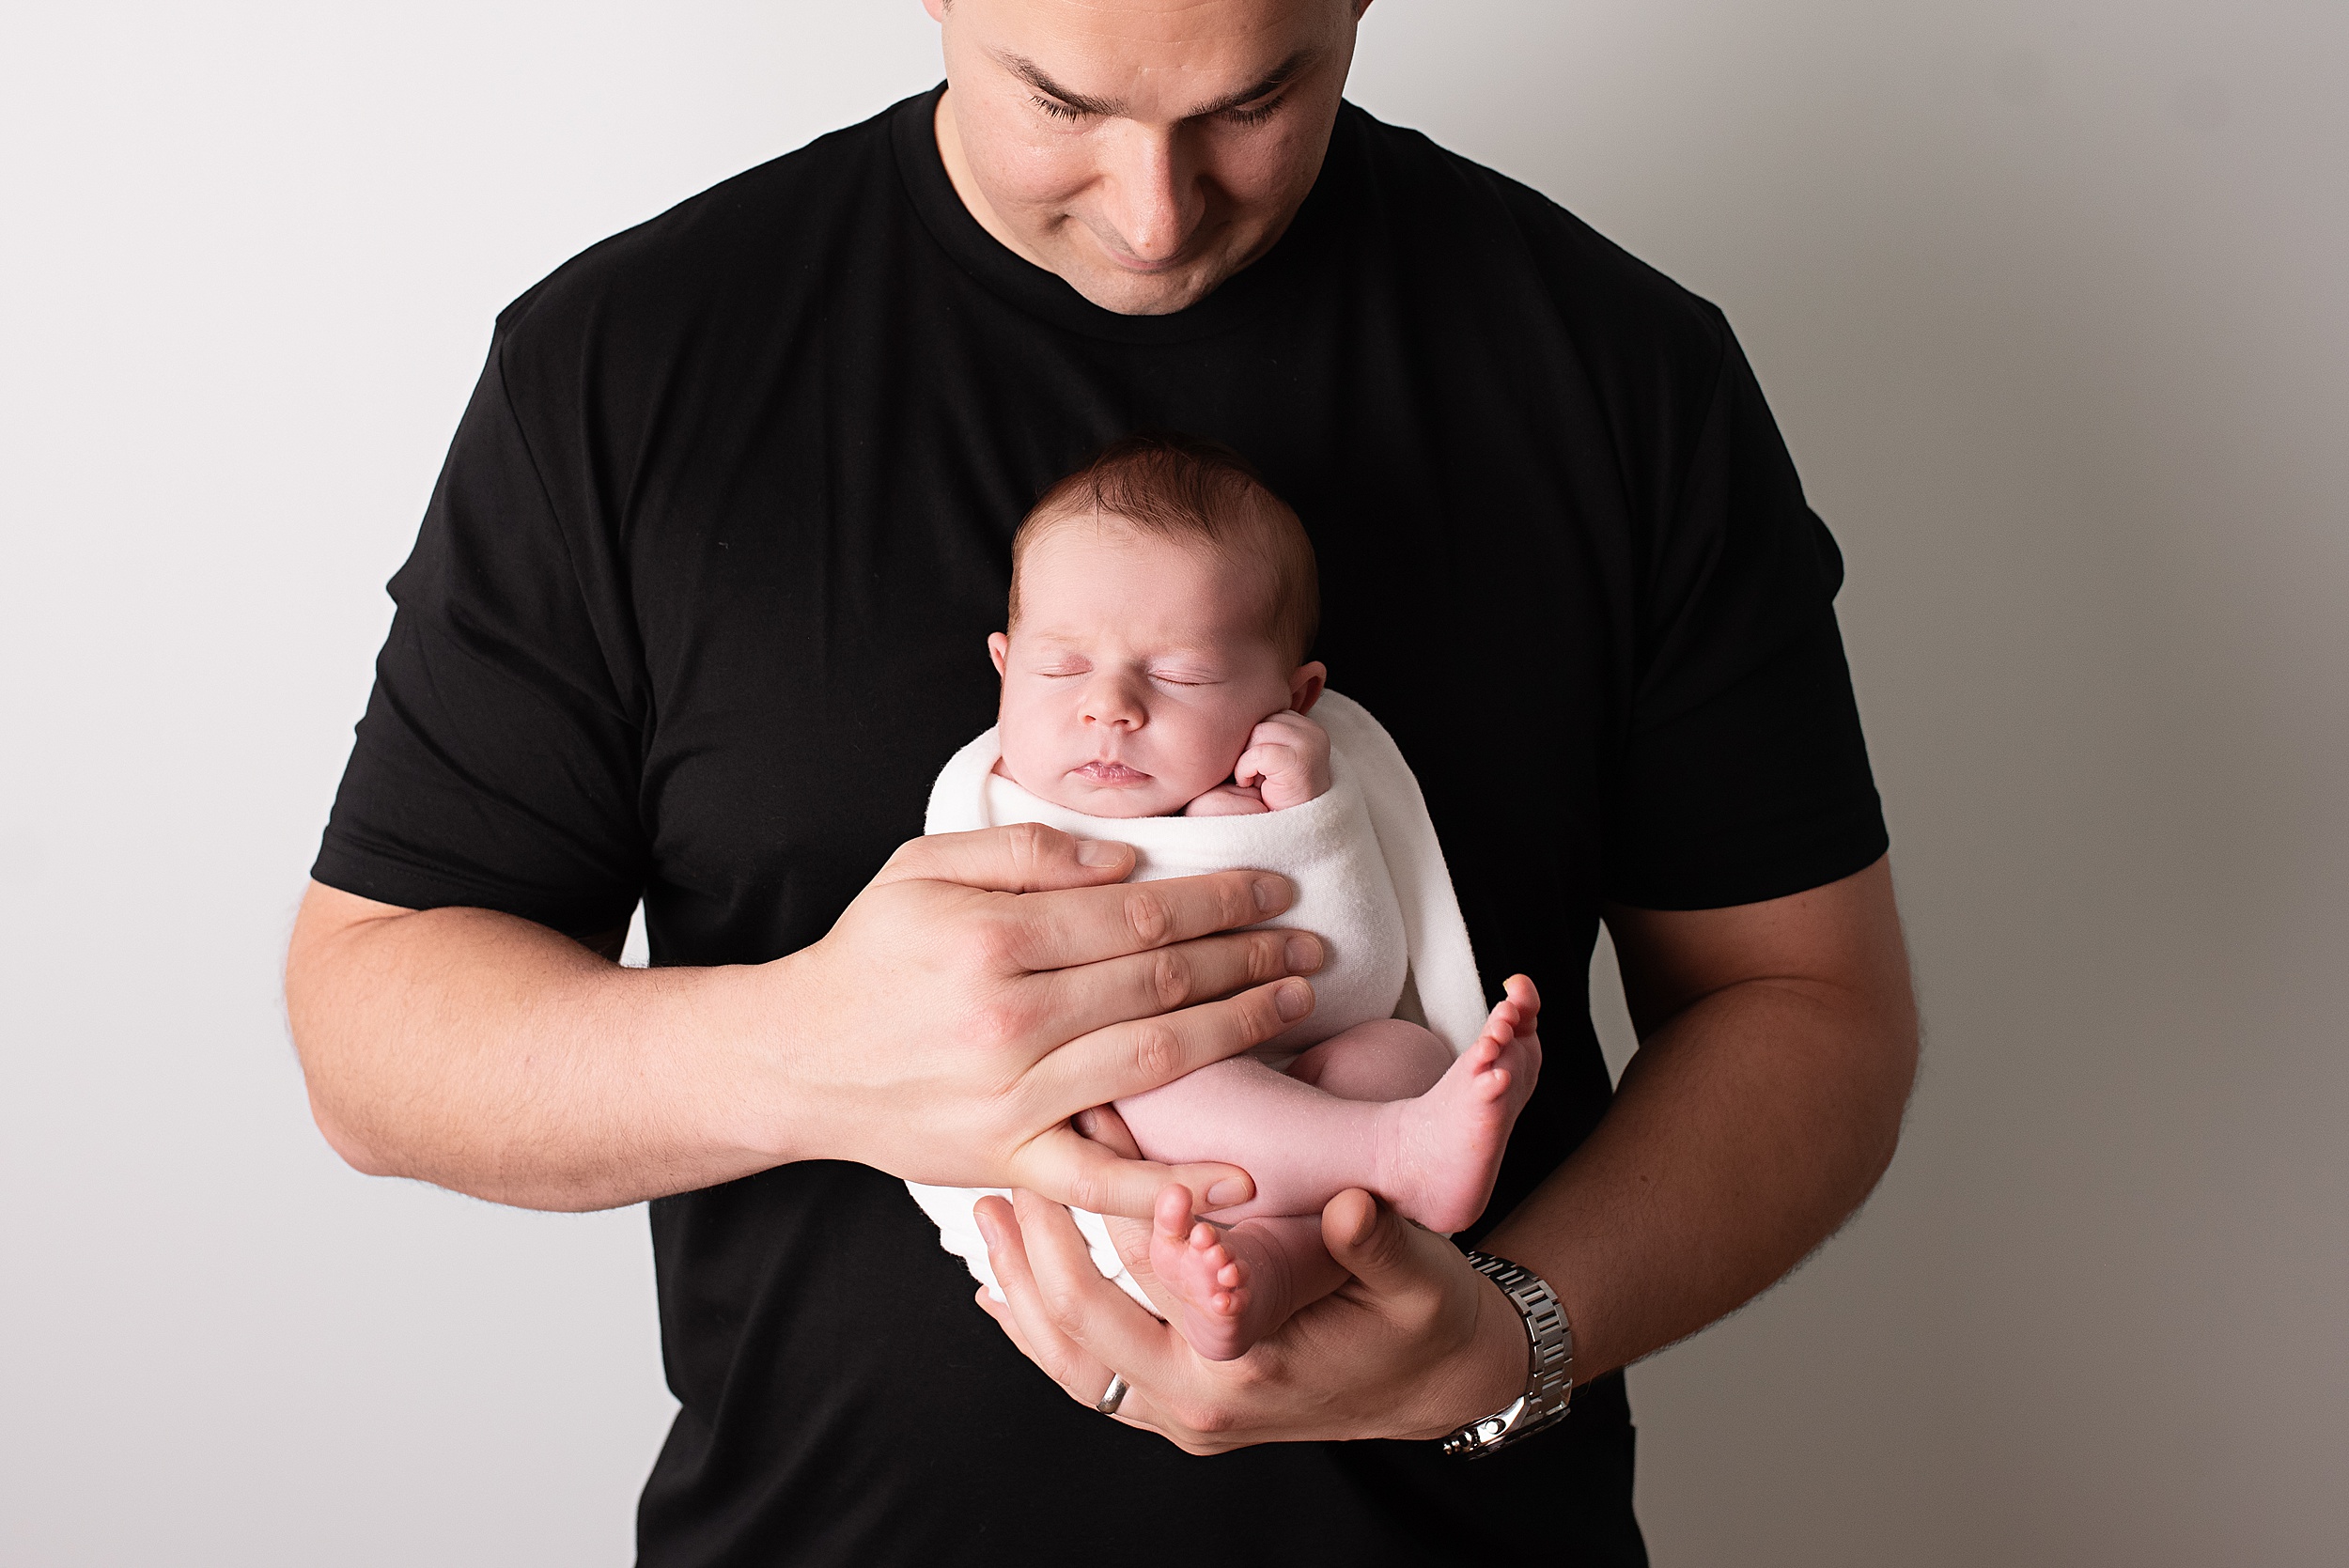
1370,880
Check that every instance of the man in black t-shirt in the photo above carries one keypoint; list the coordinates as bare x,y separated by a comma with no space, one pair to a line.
695,616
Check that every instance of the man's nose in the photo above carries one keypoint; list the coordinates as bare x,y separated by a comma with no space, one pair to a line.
1154,197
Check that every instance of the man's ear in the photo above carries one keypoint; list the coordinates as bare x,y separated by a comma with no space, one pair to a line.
998,645
1306,685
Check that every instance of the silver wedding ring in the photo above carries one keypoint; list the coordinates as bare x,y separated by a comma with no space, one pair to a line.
1114,1395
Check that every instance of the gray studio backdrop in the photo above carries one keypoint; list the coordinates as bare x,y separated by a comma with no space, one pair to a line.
2050,299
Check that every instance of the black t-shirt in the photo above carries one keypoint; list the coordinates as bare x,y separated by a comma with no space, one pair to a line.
699,609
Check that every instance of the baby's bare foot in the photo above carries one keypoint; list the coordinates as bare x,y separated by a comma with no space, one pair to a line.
1443,1149
1223,1304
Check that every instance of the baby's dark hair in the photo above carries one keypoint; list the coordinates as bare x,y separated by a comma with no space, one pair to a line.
1198,492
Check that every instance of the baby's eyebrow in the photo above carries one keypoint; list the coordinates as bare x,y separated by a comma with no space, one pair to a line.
1190,663
1053,645
1055,642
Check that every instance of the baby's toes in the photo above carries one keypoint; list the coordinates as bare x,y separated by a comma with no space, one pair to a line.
1170,1216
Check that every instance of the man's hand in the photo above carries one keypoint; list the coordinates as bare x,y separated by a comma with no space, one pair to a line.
1017,990
1414,1345
1777,1043
985,987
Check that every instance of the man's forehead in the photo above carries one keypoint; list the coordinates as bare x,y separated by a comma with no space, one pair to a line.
1152,59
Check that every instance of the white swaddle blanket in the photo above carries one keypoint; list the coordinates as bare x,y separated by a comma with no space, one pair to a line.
1370,880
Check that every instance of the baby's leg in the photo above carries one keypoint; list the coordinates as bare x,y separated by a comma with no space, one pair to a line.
1302,1144
1433,1156
1235,1284
1388,1060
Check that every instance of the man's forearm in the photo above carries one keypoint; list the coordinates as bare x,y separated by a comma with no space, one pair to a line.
981,990
1751,1124
494,1056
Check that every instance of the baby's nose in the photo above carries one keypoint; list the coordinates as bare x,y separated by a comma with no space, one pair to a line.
1112,706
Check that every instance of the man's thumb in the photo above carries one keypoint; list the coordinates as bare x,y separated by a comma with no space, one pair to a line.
1368,1240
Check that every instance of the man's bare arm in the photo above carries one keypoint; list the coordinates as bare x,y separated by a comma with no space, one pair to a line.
984,988
1778,1048
488,1054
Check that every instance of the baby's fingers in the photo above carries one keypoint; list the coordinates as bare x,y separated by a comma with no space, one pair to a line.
1262,761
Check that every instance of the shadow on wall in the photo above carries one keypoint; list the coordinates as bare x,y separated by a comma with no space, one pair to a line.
2048,303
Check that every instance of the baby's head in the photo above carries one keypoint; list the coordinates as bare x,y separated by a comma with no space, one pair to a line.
1163,603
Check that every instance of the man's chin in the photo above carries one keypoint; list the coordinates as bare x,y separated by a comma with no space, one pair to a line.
1136,293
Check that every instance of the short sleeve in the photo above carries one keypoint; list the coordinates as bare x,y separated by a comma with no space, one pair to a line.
1744,775
497,765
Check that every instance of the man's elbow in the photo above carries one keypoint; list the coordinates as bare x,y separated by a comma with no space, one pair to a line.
1897,1055
346,1139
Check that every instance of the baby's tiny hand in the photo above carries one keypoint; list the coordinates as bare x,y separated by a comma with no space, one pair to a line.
1286,763
1227,799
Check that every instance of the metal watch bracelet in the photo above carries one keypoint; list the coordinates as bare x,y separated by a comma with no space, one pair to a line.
1548,1355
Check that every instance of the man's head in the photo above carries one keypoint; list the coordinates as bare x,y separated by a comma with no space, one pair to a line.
1145,151
1163,603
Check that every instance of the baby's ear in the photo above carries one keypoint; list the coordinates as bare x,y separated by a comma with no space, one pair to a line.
1306,685
998,645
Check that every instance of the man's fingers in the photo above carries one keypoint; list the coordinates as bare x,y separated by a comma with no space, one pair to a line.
1022,1312
1102,1124
1144,985
1132,1057
1086,925
1026,857
1049,1284
1068,1168
1005,1320
1092,1314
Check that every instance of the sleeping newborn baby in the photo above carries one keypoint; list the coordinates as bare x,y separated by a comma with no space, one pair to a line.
1153,677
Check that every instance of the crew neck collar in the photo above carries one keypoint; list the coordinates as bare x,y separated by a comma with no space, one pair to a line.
1045,294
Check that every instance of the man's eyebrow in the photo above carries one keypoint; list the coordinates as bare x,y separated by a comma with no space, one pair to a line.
1271,82
1032,73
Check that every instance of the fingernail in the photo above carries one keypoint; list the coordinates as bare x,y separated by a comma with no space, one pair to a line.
986,1228
1230,1190
1099,852
1271,893
1295,999
1303,954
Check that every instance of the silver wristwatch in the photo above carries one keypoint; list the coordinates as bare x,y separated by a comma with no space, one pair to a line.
1549,1357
